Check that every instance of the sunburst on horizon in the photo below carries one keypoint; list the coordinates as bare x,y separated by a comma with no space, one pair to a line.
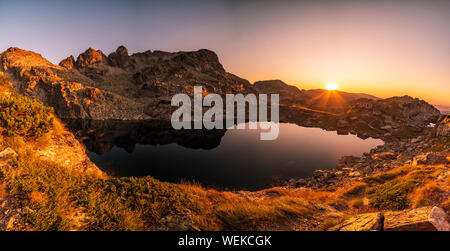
332,86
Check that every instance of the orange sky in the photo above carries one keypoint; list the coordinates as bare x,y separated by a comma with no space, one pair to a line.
381,50
380,47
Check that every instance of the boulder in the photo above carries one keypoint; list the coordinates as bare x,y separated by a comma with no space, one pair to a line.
181,222
443,128
431,159
349,160
384,156
8,153
354,174
362,222
420,219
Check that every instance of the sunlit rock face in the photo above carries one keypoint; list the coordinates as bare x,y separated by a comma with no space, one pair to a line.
90,56
118,86
443,126
68,63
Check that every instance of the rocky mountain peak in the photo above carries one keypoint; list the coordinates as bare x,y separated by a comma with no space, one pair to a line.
203,58
275,85
120,58
16,57
68,63
90,56
121,50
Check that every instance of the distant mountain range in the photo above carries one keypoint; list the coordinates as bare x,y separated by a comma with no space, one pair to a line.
443,108
334,101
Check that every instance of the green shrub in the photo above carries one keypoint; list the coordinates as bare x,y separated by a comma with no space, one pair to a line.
392,195
21,116
52,194
382,178
356,191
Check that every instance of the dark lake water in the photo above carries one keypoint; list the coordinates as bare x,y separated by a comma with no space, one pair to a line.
231,159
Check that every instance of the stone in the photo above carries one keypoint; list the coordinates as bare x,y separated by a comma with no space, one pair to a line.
415,140
181,222
300,182
354,174
420,219
443,128
362,222
384,156
431,159
348,160
8,153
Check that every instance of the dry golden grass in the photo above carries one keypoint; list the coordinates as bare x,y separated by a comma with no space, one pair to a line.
429,194
3,190
37,197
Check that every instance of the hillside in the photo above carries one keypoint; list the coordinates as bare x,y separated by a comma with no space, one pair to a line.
318,99
444,109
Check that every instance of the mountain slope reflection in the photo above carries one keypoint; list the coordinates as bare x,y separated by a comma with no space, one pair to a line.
224,159
100,136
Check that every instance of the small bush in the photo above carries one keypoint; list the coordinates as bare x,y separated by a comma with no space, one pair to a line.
21,116
392,195
356,190
382,178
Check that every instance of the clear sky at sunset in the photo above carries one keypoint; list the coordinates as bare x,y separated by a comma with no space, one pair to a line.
384,48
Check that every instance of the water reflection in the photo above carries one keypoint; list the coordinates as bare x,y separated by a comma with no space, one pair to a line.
234,159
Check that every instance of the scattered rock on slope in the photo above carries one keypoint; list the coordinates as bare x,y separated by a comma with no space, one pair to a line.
362,222
443,126
421,219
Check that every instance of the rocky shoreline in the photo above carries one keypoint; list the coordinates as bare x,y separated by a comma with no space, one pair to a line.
391,155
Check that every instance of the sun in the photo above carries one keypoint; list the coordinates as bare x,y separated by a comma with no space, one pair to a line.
332,86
